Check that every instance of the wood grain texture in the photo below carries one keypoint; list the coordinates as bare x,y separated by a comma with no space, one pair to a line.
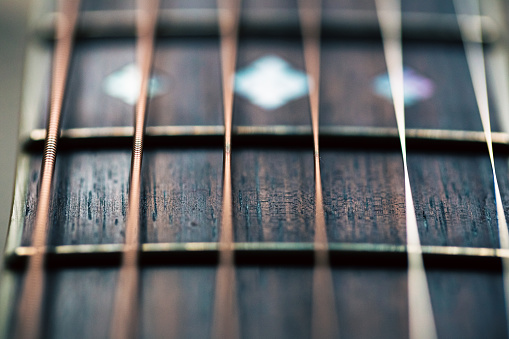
86,104
190,70
454,199
452,105
181,196
273,195
364,196
189,75
273,191
89,198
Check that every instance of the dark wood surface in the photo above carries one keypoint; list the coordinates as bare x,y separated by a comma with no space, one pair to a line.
273,191
275,302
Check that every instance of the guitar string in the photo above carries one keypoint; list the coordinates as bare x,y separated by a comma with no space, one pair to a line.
125,312
30,308
421,321
469,20
324,320
225,319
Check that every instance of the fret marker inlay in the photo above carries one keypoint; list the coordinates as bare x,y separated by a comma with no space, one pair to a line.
417,87
125,83
270,82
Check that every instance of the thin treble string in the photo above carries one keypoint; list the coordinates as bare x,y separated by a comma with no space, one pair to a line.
421,321
470,23
125,312
324,316
30,309
226,323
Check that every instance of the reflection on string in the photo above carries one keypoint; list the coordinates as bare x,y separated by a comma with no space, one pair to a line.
225,323
470,23
324,316
421,321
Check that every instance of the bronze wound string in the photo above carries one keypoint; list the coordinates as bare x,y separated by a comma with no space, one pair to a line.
125,312
30,309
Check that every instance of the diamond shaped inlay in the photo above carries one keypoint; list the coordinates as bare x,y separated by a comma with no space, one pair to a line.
124,84
417,87
270,82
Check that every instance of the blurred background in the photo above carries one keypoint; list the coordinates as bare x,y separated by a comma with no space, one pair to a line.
13,29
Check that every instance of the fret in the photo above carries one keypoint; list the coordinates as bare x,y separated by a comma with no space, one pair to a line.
336,24
274,137
265,254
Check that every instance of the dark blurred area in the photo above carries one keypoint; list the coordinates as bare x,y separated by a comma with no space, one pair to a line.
13,31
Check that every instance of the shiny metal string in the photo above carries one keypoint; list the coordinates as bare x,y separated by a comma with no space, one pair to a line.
225,319
125,311
421,320
324,320
469,20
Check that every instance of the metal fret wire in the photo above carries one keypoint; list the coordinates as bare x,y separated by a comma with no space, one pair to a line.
469,20
421,321
30,308
324,316
125,312
84,137
225,319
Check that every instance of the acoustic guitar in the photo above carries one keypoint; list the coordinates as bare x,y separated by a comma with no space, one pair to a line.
262,169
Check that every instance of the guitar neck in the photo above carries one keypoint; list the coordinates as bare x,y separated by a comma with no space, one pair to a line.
307,170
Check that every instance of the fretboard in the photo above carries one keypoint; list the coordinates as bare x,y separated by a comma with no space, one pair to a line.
308,170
